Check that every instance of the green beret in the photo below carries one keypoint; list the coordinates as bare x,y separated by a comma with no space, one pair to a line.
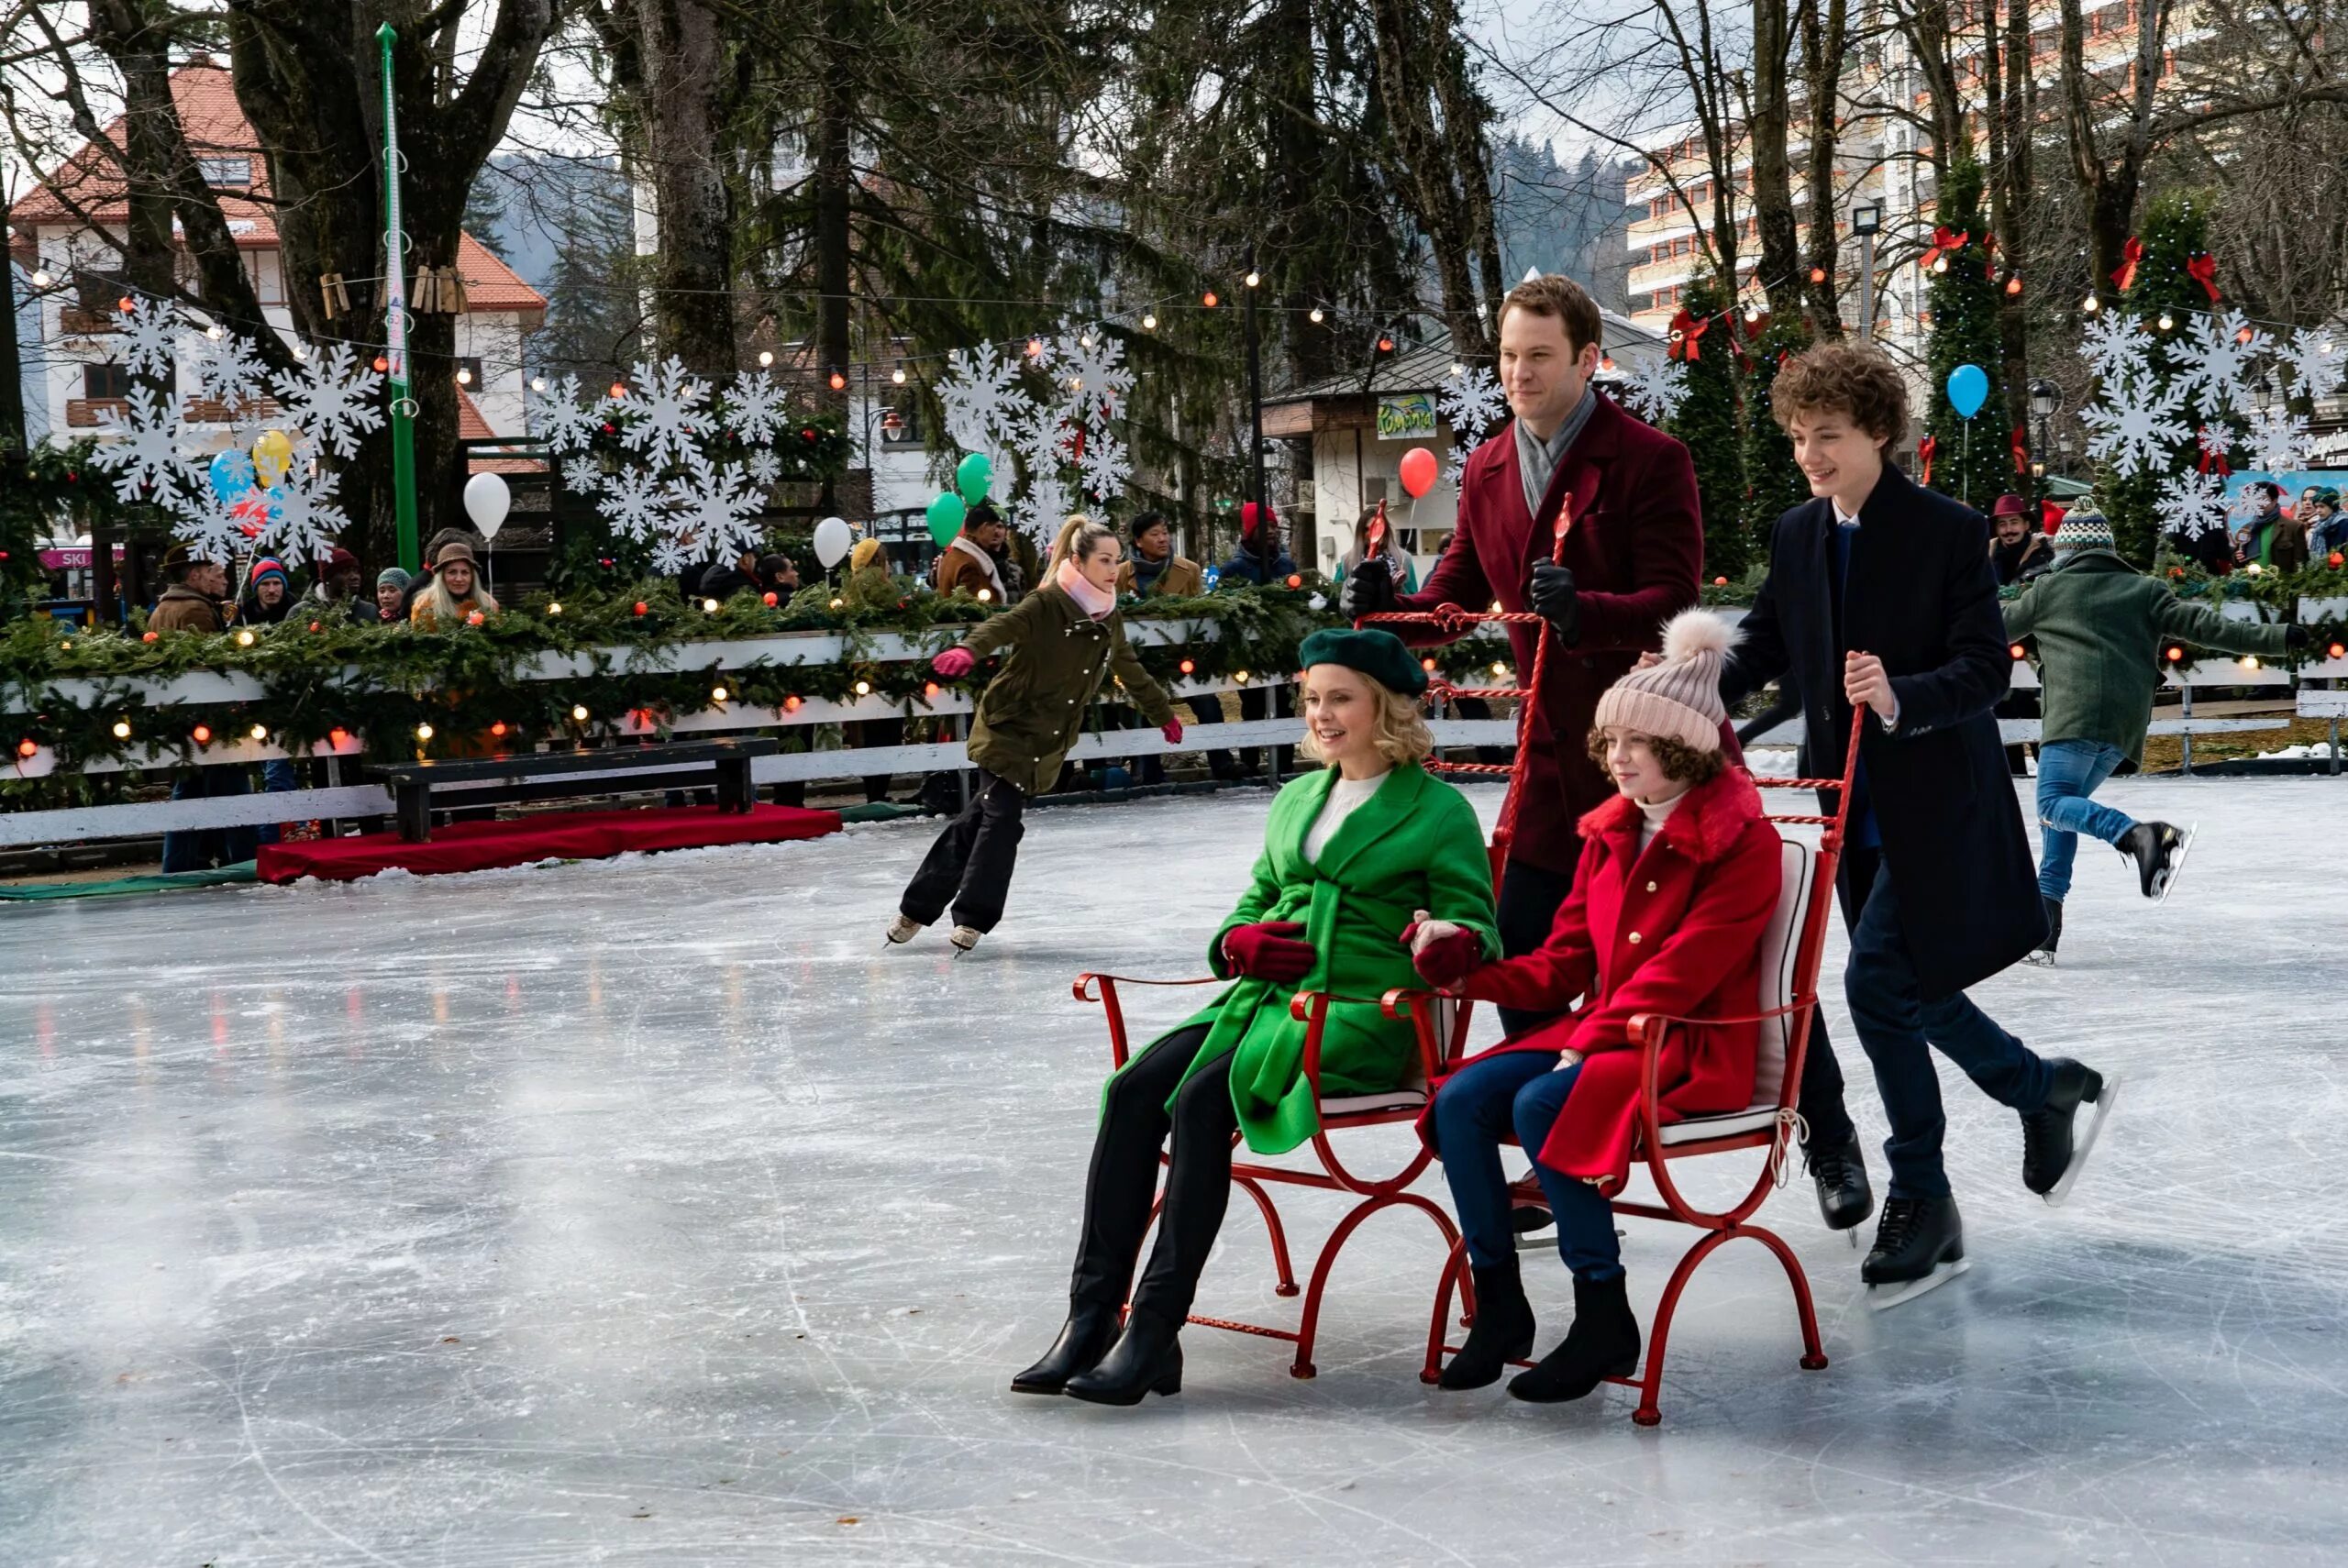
1379,655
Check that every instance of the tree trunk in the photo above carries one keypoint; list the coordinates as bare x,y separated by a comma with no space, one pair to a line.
1773,196
1429,170
139,49
835,177
1821,55
2006,84
683,77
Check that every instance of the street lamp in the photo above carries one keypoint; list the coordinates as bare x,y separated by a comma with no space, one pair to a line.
1866,221
2045,400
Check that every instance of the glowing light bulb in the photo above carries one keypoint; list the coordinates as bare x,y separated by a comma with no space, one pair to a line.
898,375
554,608
214,332
259,732
838,380
2013,285
985,595
41,281
1209,299
498,729
464,376
1254,279
619,391
2015,649
1940,263
2090,304
579,712
245,638
1500,669
2166,321
538,383
200,735
1316,316
122,729
1427,664
2250,661
864,688
718,694
300,352
1457,370
1034,347
424,732
837,604
766,358
1240,676
709,606
791,704
1149,321
1188,667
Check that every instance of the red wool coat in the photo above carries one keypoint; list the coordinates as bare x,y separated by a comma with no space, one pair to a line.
1677,930
1636,552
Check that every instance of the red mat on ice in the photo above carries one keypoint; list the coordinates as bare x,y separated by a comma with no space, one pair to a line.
564,835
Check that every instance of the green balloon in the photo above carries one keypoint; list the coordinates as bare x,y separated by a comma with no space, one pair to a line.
946,515
973,475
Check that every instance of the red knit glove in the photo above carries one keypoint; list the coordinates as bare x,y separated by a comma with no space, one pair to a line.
1172,730
954,663
1442,957
1268,950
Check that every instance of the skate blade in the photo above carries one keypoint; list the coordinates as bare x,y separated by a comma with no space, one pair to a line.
2039,959
1882,1297
2079,1149
2167,880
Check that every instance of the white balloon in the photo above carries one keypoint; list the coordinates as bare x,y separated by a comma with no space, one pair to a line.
833,537
487,500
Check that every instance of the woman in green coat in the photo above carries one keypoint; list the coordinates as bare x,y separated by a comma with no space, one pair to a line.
1064,640
1352,855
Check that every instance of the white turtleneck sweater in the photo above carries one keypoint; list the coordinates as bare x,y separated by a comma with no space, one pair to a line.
1652,816
1345,796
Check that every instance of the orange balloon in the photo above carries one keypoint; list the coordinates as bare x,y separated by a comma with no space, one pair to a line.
1418,471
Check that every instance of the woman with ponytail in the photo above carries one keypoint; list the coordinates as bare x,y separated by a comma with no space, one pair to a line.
1060,643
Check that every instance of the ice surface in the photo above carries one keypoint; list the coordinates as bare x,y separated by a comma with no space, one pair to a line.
646,1212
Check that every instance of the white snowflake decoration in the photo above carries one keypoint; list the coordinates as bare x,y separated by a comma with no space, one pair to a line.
582,474
711,505
1104,466
1655,390
2136,425
636,503
1052,411
756,408
2213,358
1471,405
149,338
333,397
2191,503
146,453
984,403
672,555
227,369
2317,360
2117,345
2277,439
564,422
763,466
305,518
660,417
1091,364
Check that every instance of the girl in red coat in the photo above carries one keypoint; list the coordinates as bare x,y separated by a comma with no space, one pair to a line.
1678,877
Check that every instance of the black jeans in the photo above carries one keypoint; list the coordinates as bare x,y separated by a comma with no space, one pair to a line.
1529,899
1117,1191
1264,702
970,865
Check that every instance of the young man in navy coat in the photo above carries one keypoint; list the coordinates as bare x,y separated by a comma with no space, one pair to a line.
1880,597
1633,559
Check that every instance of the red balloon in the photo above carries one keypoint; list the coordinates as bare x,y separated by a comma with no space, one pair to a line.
1418,471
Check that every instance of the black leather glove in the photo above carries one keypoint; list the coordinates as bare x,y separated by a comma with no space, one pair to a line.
2295,637
1555,600
1369,590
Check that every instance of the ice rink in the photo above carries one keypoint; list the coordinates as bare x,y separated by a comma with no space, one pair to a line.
644,1212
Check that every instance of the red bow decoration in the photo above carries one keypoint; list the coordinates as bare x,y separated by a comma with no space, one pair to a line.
1990,256
2203,270
2130,255
2022,453
1945,242
1924,451
2213,455
1685,330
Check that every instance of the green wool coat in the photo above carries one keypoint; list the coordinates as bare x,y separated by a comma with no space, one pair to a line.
1033,710
2100,624
1415,844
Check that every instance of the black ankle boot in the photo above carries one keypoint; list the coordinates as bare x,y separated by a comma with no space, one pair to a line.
1501,1332
1145,1359
1602,1343
1084,1339
1840,1171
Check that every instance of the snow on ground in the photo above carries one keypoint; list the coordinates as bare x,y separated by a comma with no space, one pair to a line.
648,1213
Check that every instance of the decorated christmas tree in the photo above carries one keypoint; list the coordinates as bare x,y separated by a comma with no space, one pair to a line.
1706,422
2149,433
1972,459
1773,480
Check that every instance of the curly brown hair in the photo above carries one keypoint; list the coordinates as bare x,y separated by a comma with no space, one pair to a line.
1862,384
1681,763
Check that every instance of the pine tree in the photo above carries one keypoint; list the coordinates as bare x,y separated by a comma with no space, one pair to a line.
1774,481
2176,229
1706,423
1974,465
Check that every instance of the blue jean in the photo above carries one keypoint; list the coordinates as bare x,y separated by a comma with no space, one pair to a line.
2068,772
1895,1025
196,849
277,776
1476,1109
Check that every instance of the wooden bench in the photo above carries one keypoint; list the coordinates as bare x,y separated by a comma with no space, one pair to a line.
553,774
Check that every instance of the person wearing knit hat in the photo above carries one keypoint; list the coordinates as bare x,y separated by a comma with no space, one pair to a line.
268,597
338,592
2101,631
1678,880
391,593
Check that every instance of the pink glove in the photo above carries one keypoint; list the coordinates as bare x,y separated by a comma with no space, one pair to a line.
1268,950
1444,954
954,663
1172,730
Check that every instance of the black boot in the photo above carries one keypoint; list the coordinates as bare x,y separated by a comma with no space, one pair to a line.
1844,1198
1084,1339
1145,1359
2044,954
1602,1343
2155,848
1501,1332
1920,1244
2052,1152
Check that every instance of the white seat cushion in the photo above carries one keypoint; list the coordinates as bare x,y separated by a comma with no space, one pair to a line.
1754,1118
1780,954
1367,1104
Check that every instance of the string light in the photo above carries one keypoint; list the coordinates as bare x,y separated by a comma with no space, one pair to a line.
245,638
1254,279
1034,347
1209,300
498,729
718,694
464,376
864,688
41,281
1940,264
579,712
2166,321
2013,284
553,609
1240,676
1385,343
214,332
259,732
766,358
538,383
29,747
2250,661
1316,316
200,735
2176,655
791,704
2015,649
898,375
985,595
1457,370
299,351
424,732
2091,305
381,364
1818,274
619,391
709,606
1149,321
122,729
838,382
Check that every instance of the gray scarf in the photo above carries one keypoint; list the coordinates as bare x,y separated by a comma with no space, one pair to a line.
1538,460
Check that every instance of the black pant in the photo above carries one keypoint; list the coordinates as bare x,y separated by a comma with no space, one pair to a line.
876,732
1529,899
1117,1191
970,865
1263,703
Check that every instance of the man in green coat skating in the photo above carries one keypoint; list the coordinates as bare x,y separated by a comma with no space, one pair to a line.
2099,625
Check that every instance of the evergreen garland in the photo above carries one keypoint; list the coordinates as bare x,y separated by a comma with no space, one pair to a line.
1974,465
1706,423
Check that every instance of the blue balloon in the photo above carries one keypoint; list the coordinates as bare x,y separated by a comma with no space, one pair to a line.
232,475
1968,389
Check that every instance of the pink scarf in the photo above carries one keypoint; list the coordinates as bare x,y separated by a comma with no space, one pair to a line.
1093,600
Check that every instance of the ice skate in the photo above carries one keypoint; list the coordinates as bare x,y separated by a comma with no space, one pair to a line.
1845,1198
2053,1152
1919,1246
964,938
2043,955
2158,849
901,930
